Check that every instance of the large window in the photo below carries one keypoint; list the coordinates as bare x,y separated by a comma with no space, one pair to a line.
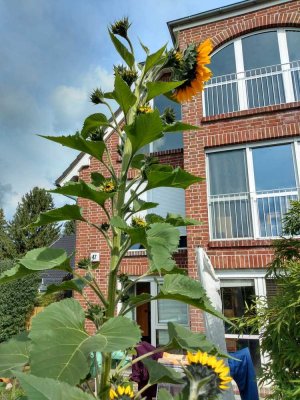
170,141
170,200
250,190
238,293
256,70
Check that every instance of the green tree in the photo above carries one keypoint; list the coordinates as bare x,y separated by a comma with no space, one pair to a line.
278,318
69,228
31,205
16,302
7,249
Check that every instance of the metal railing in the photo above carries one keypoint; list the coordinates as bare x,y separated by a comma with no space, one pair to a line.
255,88
249,215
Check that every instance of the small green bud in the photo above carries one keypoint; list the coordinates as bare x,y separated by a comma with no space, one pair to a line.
121,27
97,96
168,116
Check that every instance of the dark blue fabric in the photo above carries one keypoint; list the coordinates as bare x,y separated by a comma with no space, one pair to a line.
244,374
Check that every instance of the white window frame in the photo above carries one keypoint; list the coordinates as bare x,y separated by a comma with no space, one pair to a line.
254,218
258,276
242,99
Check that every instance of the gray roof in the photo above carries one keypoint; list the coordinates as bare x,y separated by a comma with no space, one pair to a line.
56,276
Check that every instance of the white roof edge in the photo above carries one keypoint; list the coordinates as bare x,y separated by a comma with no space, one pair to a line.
84,161
223,15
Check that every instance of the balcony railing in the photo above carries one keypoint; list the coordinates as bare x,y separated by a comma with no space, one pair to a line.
255,88
249,215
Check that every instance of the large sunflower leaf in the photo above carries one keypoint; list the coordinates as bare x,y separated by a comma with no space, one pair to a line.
65,213
187,290
58,336
14,354
77,142
120,333
154,58
60,344
180,126
137,235
122,50
92,123
46,258
160,87
76,284
167,176
182,338
159,373
123,95
162,242
84,190
16,272
164,394
49,389
145,129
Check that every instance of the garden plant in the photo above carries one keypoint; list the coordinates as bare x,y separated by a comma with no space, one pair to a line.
55,359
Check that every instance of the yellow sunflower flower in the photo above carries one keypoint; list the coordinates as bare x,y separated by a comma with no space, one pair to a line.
145,110
193,70
138,222
121,393
108,186
203,365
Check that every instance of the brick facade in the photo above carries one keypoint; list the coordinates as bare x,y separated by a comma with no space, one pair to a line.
254,125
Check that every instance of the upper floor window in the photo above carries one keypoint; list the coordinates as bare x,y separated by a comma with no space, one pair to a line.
250,190
256,70
170,141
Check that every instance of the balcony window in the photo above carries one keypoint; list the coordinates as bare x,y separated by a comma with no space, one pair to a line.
170,200
250,190
257,70
170,141
237,295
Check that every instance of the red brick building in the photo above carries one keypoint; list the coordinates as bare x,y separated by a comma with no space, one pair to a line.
248,150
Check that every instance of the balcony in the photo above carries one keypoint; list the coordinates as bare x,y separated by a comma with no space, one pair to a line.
249,215
255,88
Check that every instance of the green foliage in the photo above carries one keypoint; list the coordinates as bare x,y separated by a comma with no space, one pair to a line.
14,393
14,353
28,210
16,302
49,389
7,249
278,318
65,213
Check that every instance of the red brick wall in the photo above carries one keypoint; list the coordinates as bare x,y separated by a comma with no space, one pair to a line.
239,127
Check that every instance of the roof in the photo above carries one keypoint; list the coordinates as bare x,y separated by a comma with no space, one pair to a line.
220,13
54,275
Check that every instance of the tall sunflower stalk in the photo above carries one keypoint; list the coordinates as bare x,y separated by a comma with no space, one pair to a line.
58,349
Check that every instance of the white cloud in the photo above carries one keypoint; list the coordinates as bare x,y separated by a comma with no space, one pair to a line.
71,104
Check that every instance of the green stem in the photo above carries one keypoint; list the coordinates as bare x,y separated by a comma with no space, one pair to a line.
91,285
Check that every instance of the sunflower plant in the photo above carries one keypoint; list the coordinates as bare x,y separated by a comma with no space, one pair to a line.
58,357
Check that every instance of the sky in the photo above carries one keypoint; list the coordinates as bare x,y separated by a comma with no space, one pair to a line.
53,54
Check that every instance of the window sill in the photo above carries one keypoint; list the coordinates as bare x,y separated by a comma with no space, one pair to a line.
240,243
252,111
160,153
143,253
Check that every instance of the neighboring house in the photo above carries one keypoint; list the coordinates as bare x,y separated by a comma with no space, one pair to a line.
56,276
248,150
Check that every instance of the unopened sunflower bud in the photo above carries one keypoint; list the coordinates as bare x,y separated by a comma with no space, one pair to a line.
97,135
120,27
169,116
97,96
126,74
